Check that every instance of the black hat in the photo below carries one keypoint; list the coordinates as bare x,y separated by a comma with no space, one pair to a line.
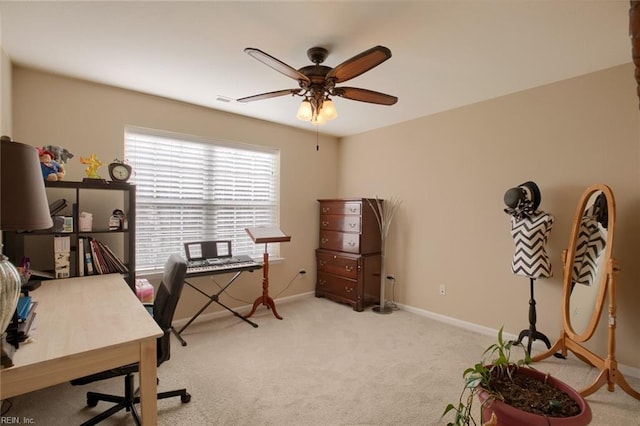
527,191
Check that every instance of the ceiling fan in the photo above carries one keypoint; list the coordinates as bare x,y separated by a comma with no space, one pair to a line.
318,82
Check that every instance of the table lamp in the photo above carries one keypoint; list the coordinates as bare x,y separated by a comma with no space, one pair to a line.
23,207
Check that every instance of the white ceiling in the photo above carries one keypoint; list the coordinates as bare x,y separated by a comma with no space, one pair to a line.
446,54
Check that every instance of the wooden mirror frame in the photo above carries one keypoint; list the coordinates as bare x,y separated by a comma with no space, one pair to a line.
568,260
569,340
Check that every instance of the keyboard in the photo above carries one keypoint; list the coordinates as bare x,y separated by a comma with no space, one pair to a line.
221,265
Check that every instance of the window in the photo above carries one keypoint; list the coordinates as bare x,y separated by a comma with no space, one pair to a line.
194,189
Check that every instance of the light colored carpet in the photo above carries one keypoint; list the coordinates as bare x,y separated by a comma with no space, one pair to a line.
323,364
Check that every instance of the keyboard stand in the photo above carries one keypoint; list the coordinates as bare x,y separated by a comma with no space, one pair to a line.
212,298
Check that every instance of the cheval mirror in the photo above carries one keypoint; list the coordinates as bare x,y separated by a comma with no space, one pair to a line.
588,278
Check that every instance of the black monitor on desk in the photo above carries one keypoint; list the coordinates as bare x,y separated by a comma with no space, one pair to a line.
203,250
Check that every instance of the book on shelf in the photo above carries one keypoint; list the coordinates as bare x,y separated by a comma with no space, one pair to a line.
113,261
81,258
62,256
88,258
99,258
98,262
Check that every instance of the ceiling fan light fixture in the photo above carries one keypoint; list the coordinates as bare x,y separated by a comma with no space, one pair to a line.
305,111
328,109
318,82
318,119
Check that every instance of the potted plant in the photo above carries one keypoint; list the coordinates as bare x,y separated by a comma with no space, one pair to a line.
511,393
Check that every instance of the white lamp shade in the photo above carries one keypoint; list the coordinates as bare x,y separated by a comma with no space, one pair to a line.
305,112
318,120
328,110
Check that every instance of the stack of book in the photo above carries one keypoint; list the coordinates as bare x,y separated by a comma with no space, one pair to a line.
95,257
18,330
26,312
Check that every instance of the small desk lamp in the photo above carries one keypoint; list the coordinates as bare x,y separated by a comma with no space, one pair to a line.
23,206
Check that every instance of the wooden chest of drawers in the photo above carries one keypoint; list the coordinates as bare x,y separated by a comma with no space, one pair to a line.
348,259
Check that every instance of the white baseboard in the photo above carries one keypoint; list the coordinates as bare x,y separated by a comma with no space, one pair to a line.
624,369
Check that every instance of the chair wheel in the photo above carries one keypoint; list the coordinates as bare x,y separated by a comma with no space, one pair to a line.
185,398
91,402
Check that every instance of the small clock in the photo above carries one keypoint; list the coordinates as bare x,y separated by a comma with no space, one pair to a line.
119,171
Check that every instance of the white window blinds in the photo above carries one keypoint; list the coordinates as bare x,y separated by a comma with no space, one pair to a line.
191,189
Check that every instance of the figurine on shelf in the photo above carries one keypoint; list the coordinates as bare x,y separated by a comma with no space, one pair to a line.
60,155
51,170
92,166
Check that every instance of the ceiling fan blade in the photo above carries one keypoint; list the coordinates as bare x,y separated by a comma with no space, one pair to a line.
364,95
269,95
276,64
359,64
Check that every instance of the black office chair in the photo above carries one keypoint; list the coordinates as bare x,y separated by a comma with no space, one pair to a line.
164,307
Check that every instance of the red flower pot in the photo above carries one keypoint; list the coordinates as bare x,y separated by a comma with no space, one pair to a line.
510,416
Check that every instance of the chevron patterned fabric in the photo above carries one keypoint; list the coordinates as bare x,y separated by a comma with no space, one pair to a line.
530,235
591,241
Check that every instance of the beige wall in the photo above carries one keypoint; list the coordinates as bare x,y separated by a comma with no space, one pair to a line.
5,92
5,95
89,118
452,169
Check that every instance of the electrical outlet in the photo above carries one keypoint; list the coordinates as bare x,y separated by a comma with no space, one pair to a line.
443,289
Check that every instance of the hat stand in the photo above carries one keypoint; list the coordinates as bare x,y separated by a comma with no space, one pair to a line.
532,333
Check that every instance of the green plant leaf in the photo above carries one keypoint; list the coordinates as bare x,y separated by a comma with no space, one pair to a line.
449,408
473,382
479,377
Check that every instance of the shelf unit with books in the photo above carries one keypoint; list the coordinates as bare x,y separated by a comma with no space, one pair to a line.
113,247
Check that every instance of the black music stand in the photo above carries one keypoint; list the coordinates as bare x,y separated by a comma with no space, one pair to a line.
266,235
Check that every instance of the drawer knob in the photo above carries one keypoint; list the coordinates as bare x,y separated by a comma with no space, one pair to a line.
324,240
348,289
325,223
349,268
351,244
352,225
353,209
322,282
322,262
325,209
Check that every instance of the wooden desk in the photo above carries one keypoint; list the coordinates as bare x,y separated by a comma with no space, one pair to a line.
83,326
